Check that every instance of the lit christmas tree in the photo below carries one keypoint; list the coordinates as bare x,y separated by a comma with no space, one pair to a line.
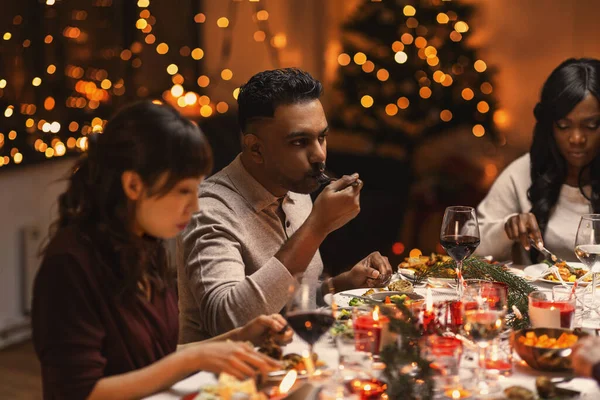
408,74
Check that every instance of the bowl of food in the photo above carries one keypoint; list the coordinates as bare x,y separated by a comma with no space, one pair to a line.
546,349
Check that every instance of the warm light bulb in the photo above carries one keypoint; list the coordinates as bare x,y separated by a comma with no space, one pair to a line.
403,103
409,11
478,130
446,115
177,91
197,53
172,69
37,81
343,59
223,22
366,101
360,58
226,74
480,66
400,57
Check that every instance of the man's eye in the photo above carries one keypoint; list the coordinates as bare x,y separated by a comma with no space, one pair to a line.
299,142
594,125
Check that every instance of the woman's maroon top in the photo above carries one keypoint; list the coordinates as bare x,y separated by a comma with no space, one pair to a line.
82,331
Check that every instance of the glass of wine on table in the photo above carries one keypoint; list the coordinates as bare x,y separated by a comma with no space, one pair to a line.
308,320
587,250
459,236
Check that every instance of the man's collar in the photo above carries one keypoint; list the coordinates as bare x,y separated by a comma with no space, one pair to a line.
253,191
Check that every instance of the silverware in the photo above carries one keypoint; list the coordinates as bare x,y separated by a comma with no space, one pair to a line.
324,179
548,254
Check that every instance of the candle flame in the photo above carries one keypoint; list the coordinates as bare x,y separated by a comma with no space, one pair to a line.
376,313
456,394
429,300
367,387
288,381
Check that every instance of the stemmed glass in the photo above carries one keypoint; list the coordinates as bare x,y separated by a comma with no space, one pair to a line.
459,236
304,316
587,248
484,310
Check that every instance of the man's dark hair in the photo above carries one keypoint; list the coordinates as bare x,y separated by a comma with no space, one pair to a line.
267,90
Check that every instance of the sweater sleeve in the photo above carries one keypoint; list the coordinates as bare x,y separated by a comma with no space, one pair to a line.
67,330
501,203
214,266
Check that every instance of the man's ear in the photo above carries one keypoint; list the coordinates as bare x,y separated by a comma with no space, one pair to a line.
254,146
132,185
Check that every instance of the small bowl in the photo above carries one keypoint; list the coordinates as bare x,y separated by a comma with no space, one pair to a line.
543,359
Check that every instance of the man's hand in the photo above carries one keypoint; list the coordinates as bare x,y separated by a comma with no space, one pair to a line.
337,204
367,273
586,354
522,227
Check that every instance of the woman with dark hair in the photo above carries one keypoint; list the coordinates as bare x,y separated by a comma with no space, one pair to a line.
541,196
105,318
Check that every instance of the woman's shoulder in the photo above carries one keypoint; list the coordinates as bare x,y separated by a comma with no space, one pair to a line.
520,166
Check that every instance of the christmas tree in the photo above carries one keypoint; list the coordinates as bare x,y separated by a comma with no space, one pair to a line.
407,73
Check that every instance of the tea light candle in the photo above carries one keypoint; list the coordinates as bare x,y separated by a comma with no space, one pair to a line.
368,389
457,393
371,326
284,387
545,314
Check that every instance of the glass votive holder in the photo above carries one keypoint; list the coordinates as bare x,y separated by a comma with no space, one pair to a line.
561,293
547,312
498,356
444,354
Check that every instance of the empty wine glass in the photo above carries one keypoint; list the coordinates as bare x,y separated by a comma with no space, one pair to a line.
484,314
587,249
459,236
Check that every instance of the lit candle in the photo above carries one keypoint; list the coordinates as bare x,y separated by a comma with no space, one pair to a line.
458,393
284,387
368,389
370,326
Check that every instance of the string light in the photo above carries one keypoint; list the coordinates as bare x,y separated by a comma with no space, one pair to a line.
366,101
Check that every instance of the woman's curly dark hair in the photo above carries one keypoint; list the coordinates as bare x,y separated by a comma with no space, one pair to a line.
566,86
151,140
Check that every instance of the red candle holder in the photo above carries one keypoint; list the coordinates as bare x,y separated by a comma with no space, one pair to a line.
368,328
367,389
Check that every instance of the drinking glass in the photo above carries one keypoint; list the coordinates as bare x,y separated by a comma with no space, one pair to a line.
587,250
304,316
484,311
459,236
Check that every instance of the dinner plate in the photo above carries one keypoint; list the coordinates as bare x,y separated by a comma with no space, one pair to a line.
342,301
536,269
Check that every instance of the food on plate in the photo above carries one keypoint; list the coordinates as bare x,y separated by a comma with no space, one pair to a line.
368,292
401,286
297,362
396,297
354,302
565,340
422,263
271,348
229,386
568,273
519,393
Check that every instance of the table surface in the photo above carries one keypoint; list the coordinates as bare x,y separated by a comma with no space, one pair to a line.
522,375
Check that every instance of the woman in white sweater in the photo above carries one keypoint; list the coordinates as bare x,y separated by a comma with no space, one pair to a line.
542,195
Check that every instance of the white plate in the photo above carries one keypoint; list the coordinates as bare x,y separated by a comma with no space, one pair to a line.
537,269
342,301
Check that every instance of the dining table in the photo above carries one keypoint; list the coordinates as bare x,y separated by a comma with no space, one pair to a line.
522,375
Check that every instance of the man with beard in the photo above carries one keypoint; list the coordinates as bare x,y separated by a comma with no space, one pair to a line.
257,227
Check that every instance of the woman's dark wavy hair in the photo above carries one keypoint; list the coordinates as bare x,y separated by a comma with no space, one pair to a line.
566,86
267,90
152,140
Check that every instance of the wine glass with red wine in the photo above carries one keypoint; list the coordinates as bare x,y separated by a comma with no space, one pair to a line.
308,320
459,236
